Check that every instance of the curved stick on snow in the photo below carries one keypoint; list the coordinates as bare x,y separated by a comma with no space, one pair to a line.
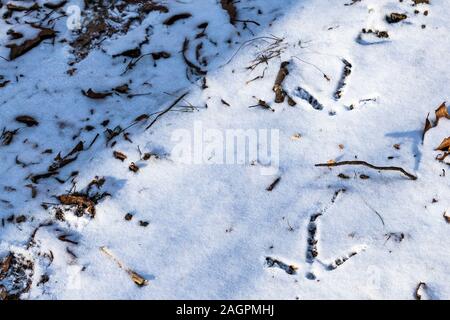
364,163
167,110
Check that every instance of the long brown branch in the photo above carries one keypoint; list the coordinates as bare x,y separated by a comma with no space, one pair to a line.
364,163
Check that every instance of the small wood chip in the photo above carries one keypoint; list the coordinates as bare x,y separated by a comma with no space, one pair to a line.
135,277
119,155
133,167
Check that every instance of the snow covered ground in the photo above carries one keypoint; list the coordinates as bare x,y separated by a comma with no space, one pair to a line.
123,216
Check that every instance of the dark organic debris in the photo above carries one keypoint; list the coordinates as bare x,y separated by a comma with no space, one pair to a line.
81,201
181,16
7,136
339,261
16,276
446,216
273,184
419,290
119,155
343,82
364,163
308,97
85,201
191,66
280,94
60,162
19,50
27,120
395,17
289,269
133,167
96,95
230,8
445,145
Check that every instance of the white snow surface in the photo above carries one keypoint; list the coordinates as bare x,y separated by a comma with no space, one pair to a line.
211,226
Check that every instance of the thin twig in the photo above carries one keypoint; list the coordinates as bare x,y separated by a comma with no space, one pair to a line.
167,110
364,163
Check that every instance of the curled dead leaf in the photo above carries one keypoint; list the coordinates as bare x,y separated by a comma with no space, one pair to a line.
441,112
427,127
96,95
445,144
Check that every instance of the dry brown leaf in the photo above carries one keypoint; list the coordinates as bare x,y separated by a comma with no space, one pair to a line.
230,7
18,50
96,95
142,117
28,120
133,167
122,89
427,127
79,200
445,144
160,55
441,112
119,155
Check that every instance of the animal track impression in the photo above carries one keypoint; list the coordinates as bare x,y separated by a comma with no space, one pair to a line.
343,82
290,269
308,97
339,261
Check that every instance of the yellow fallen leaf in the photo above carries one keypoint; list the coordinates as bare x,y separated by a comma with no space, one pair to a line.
441,112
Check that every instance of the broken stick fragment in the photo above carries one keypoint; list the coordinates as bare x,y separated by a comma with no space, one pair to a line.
280,94
135,277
